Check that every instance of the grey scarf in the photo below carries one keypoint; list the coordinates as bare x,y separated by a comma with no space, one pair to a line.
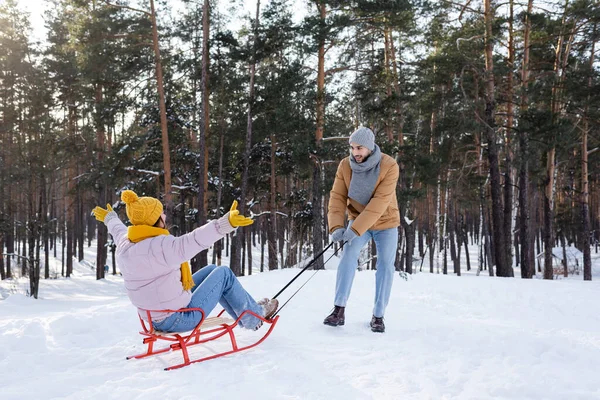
364,177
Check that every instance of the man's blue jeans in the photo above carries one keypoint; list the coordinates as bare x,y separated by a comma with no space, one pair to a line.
213,285
386,241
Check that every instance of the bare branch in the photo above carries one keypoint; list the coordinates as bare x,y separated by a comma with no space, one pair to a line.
329,47
127,35
126,7
464,7
16,255
462,11
466,40
334,70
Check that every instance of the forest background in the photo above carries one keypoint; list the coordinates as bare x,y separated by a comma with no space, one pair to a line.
491,109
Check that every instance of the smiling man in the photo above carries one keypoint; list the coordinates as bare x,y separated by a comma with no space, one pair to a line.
365,190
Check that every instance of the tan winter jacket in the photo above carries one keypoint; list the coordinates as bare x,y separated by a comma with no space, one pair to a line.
382,210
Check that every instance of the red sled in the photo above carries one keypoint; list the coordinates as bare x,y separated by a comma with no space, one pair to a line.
207,330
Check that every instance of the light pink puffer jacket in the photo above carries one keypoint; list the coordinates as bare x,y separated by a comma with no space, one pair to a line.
151,268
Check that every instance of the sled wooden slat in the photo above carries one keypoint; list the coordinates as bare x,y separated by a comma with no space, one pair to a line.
207,323
207,330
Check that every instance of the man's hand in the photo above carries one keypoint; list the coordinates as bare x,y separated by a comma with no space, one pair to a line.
235,219
338,234
348,235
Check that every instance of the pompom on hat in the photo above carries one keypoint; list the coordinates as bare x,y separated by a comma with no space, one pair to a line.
141,210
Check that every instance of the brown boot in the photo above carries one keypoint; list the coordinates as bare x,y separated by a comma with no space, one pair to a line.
263,301
270,307
377,324
336,318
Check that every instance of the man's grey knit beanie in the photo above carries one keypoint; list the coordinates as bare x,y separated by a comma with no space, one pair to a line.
364,137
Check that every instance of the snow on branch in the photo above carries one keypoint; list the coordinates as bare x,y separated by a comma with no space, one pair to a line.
143,171
253,215
182,187
334,138
80,176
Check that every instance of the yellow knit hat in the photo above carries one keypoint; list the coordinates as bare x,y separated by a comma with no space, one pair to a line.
141,210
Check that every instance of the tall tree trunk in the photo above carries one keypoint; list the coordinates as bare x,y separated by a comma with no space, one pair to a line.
431,228
387,39
9,119
3,212
422,230
508,172
22,239
263,242
46,227
549,215
433,223
249,248
202,259
2,234
10,222
527,269
585,188
163,115
444,241
465,239
272,243
560,60
2,270
565,261
71,201
316,176
406,206
62,220
482,209
194,142
502,267
80,224
219,244
452,230
398,113
102,231
438,239
31,235
37,240
238,239
489,243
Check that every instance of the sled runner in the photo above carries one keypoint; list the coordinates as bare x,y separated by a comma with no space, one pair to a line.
207,330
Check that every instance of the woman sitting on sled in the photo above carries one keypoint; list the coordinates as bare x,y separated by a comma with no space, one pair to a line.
157,274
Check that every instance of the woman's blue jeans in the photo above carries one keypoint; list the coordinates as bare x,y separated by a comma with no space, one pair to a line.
386,241
213,285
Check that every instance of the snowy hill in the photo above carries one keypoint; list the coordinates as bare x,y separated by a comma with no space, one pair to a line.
447,337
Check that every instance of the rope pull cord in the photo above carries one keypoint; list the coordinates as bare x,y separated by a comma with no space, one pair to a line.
300,273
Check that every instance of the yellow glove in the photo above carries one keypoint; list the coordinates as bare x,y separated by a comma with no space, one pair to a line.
100,213
235,219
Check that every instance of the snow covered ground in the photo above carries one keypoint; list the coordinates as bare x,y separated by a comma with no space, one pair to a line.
447,337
